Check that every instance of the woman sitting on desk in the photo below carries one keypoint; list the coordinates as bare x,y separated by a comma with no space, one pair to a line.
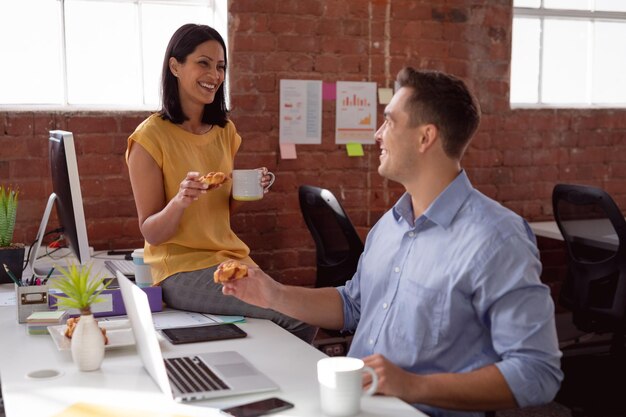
185,222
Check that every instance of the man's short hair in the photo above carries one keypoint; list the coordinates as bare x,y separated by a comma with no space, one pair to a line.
445,101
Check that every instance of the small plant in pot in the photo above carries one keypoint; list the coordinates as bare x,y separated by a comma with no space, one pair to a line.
11,254
80,292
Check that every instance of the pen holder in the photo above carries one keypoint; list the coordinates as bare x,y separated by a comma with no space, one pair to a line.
30,299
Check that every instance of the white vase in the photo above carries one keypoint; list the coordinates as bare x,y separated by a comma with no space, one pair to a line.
87,344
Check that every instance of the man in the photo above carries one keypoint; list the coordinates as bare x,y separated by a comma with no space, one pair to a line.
446,304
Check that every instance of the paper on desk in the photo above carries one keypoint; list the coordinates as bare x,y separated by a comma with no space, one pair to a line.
8,299
176,318
98,410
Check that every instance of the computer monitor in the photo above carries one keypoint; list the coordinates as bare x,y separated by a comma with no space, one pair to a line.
68,198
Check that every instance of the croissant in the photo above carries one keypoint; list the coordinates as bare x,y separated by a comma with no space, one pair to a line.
213,178
230,270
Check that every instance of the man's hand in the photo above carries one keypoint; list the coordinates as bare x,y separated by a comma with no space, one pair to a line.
257,288
392,380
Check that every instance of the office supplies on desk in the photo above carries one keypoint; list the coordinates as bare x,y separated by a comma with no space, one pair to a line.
45,281
113,305
13,277
125,267
178,318
222,373
30,299
38,322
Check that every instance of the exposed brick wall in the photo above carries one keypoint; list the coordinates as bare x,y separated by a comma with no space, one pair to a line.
516,157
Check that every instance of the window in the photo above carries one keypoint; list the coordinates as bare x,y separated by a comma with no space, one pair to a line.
92,54
568,53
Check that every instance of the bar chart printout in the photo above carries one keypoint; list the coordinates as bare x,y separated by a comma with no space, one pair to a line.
356,112
300,111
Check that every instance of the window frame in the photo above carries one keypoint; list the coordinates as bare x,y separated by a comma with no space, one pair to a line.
541,13
218,8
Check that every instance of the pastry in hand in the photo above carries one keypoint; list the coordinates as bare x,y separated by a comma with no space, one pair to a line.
230,270
213,178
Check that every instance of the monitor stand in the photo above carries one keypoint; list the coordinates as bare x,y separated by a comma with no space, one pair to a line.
43,271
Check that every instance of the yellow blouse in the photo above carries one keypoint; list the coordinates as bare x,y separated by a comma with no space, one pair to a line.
204,237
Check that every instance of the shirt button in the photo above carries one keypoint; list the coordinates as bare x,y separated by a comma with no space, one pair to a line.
396,269
411,234
385,305
371,341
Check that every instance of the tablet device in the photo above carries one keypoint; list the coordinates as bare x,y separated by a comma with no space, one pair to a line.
179,335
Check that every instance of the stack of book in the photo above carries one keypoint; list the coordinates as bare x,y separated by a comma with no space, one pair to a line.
38,322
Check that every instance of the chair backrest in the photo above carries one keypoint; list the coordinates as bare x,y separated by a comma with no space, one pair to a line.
338,245
594,231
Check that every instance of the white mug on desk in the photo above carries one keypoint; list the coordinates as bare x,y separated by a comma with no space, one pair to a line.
247,184
340,379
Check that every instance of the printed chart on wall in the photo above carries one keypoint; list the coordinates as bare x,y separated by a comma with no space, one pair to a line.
300,111
356,112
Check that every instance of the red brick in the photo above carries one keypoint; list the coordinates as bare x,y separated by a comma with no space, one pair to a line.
18,124
79,124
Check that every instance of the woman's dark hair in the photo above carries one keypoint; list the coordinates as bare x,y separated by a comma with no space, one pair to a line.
184,41
446,102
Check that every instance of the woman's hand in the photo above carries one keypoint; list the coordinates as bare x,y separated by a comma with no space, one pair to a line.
266,179
190,189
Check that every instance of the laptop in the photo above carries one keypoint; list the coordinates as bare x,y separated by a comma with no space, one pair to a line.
195,377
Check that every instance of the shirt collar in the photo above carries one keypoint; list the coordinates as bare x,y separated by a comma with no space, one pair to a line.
445,207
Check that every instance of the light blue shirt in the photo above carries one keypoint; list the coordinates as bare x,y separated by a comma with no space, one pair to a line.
453,291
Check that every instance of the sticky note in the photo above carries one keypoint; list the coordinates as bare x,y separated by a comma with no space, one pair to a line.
384,95
288,151
354,149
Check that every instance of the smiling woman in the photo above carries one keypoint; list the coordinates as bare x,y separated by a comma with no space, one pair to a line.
69,36
184,221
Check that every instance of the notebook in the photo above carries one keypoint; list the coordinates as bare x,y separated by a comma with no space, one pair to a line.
196,377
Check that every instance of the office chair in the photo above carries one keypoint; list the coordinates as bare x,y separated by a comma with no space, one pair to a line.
338,246
595,293
595,287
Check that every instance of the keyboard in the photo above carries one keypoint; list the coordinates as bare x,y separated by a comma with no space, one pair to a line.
125,267
190,374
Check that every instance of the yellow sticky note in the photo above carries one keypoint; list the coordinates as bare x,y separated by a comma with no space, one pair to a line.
384,95
354,149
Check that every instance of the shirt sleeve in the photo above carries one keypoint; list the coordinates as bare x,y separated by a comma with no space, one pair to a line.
519,311
145,136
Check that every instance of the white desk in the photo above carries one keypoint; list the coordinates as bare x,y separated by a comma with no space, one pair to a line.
599,233
122,381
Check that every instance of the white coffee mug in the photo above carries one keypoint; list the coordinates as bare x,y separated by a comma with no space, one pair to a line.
247,184
143,275
341,385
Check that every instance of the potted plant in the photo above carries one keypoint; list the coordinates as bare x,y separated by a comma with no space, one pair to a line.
11,254
80,292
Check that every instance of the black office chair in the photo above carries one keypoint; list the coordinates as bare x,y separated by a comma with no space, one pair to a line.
338,248
595,293
338,245
595,287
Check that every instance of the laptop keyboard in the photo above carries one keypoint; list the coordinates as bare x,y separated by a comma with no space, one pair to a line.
125,267
190,374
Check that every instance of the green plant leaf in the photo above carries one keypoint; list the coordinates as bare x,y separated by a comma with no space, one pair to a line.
8,213
79,290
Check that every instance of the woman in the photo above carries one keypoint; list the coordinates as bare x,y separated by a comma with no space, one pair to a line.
185,222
